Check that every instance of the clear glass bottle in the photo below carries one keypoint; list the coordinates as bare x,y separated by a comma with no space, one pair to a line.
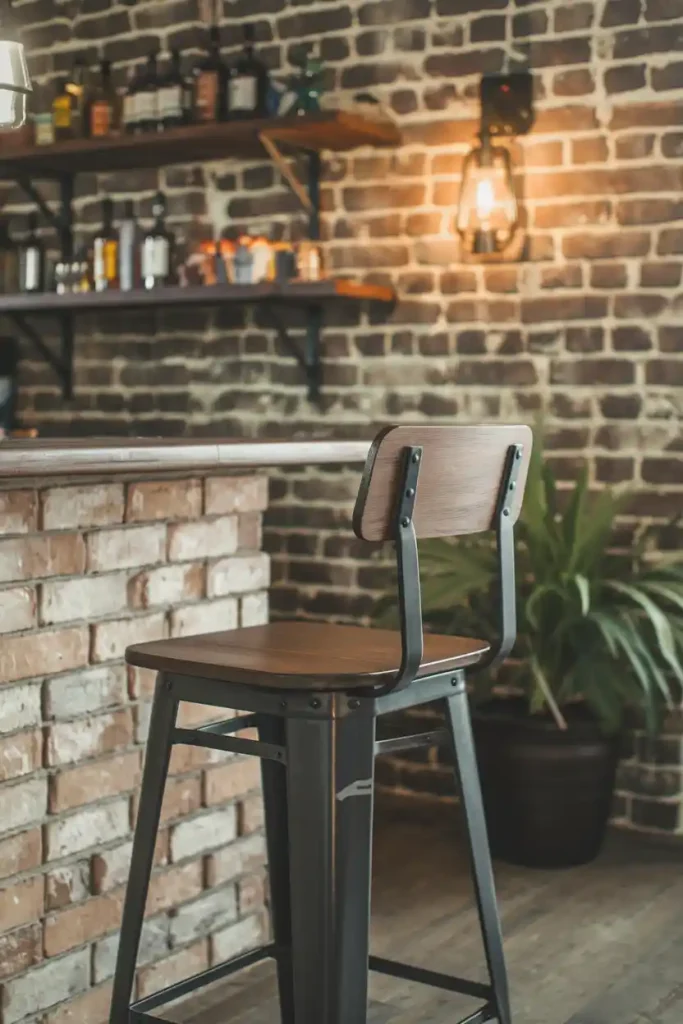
105,251
103,104
157,248
129,249
32,260
210,78
248,84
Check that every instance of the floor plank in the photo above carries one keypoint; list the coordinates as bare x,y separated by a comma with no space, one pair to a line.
601,944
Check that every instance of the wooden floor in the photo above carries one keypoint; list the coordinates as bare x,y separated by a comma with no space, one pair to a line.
601,944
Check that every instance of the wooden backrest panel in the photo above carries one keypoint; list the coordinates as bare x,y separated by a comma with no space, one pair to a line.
459,482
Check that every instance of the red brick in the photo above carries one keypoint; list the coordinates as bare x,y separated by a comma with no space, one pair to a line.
88,737
21,903
41,555
18,512
21,852
111,638
141,682
68,508
181,797
228,781
90,1008
208,538
226,495
167,585
176,885
82,923
67,884
251,894
135,547
43,654
20,754
90,783
251,817
176,967
20,950
17,609
249,531
164,499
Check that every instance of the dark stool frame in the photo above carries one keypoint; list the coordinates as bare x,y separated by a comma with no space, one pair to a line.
318,752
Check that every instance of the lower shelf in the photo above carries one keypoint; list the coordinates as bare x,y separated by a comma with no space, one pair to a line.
312,296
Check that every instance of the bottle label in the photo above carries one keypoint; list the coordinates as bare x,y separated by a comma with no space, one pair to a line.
207,96
130,110
243,93
61,112
32,270
100,119
171,102
147,106
155,258
104,262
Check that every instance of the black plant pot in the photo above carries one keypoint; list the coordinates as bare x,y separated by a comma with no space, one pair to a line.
547,793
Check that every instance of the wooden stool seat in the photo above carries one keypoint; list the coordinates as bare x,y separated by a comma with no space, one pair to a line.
302,655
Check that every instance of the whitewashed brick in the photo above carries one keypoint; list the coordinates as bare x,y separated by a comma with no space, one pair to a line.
226,494
68,883
239,574
204,833
214,910
86,828
204,617
81,693
204,539
254,609
89,597
110,638
50,983
243,857
239,937
17,609
66,508
22,804
134,546
111,867
169,584
88,737
154,942
19,707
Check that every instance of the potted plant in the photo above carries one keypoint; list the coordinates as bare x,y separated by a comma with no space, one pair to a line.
600,634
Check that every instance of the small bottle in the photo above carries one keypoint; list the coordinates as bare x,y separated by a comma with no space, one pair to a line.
157,248
175,95
130,102
105,251
77,90
210,79
101,112
148,97
129,249
32,260
248,85
61,112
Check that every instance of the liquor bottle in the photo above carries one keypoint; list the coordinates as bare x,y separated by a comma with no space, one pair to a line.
130,116
32,260
61,112
105,251
157,248
148,97
248,85
77,89
129,249
175,95
103,104
210,78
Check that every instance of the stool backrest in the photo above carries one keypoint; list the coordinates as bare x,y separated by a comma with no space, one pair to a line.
460,478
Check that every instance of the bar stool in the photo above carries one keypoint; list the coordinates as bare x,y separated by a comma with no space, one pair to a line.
314,692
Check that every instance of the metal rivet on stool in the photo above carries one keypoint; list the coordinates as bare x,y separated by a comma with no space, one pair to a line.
506,511
354,704
315,703
405,521
283,703
416,457
410,492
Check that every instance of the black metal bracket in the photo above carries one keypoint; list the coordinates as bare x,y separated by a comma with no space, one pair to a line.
218,736
62,222
309,360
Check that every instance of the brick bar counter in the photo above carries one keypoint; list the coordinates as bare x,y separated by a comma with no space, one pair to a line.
103,544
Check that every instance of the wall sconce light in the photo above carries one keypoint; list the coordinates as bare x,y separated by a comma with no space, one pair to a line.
15,84
488,208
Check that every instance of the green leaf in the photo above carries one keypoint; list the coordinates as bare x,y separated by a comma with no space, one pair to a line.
584,589
659,621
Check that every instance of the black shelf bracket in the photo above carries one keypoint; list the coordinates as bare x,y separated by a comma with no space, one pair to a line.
62,222
308,359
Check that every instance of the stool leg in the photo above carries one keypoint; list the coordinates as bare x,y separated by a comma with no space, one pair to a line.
330,773
157,756
482,871
274,779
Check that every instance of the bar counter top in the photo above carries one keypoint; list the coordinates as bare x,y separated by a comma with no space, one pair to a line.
123,456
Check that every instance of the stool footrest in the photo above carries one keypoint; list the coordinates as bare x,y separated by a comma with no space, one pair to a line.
434,978
233,744
138,1010
429,738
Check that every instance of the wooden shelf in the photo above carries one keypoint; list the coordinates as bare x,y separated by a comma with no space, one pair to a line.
331,130
293,293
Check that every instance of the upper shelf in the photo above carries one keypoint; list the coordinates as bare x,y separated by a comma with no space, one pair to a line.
334,130
292,292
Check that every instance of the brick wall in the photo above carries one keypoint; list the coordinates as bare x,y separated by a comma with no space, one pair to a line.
586,325
84,571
